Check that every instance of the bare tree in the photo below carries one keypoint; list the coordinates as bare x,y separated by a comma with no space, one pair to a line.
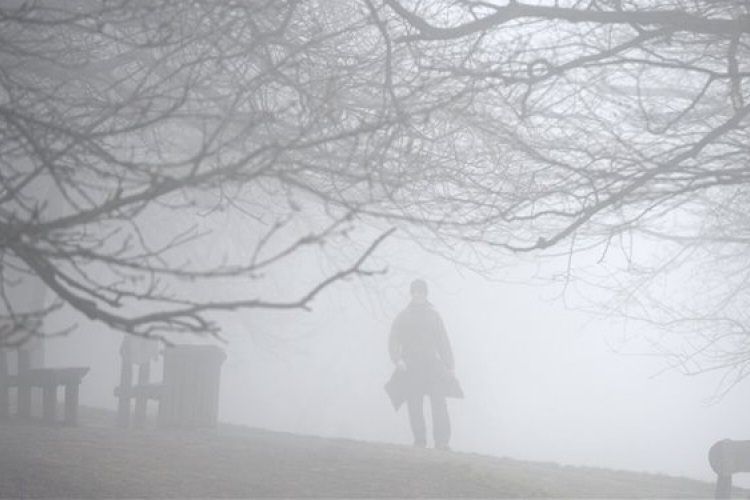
580,127
128,128
600,129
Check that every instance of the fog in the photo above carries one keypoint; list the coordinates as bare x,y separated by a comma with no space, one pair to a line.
265,141
542,382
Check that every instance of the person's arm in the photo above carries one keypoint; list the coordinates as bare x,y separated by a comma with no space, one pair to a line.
394,342
444,346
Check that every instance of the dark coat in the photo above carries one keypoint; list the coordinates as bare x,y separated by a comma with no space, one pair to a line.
419,340
402,385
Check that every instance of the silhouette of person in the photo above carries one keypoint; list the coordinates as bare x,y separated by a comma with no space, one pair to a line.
419,347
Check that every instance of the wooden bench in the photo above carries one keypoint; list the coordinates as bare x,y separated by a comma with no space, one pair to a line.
728,457
188,394
48,380
141,353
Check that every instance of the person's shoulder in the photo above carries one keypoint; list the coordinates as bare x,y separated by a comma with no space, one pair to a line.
431,309
433,312
402,314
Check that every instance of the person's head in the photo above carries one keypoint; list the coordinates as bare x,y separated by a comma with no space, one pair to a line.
419,291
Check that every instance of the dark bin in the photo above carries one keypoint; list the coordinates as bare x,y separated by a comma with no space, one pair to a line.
190,396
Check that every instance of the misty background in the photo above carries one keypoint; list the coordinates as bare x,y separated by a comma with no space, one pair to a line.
542,382
277,173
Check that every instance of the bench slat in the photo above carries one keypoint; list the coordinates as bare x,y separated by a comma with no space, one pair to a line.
41,377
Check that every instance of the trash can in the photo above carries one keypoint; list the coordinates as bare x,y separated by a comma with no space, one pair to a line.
191,380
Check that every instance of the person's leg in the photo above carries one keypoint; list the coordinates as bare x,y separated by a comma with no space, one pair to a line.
441,424
415,405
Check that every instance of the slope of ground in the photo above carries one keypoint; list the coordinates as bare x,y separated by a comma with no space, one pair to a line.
96,460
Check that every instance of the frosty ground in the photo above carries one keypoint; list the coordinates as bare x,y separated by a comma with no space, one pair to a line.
97,460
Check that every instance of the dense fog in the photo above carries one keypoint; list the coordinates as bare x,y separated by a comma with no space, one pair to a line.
542,382
271,177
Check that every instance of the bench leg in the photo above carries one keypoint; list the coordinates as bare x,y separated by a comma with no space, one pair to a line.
24,389
123,405
141,402
24,401
4,401
4,388
49,403
139,412
123,411
723,487
71,403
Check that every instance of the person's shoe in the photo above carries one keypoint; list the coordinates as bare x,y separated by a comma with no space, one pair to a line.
443,447
420,444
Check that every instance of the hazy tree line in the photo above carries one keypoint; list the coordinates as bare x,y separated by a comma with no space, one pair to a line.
593,129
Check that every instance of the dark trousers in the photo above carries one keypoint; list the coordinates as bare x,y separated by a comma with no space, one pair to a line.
441,425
